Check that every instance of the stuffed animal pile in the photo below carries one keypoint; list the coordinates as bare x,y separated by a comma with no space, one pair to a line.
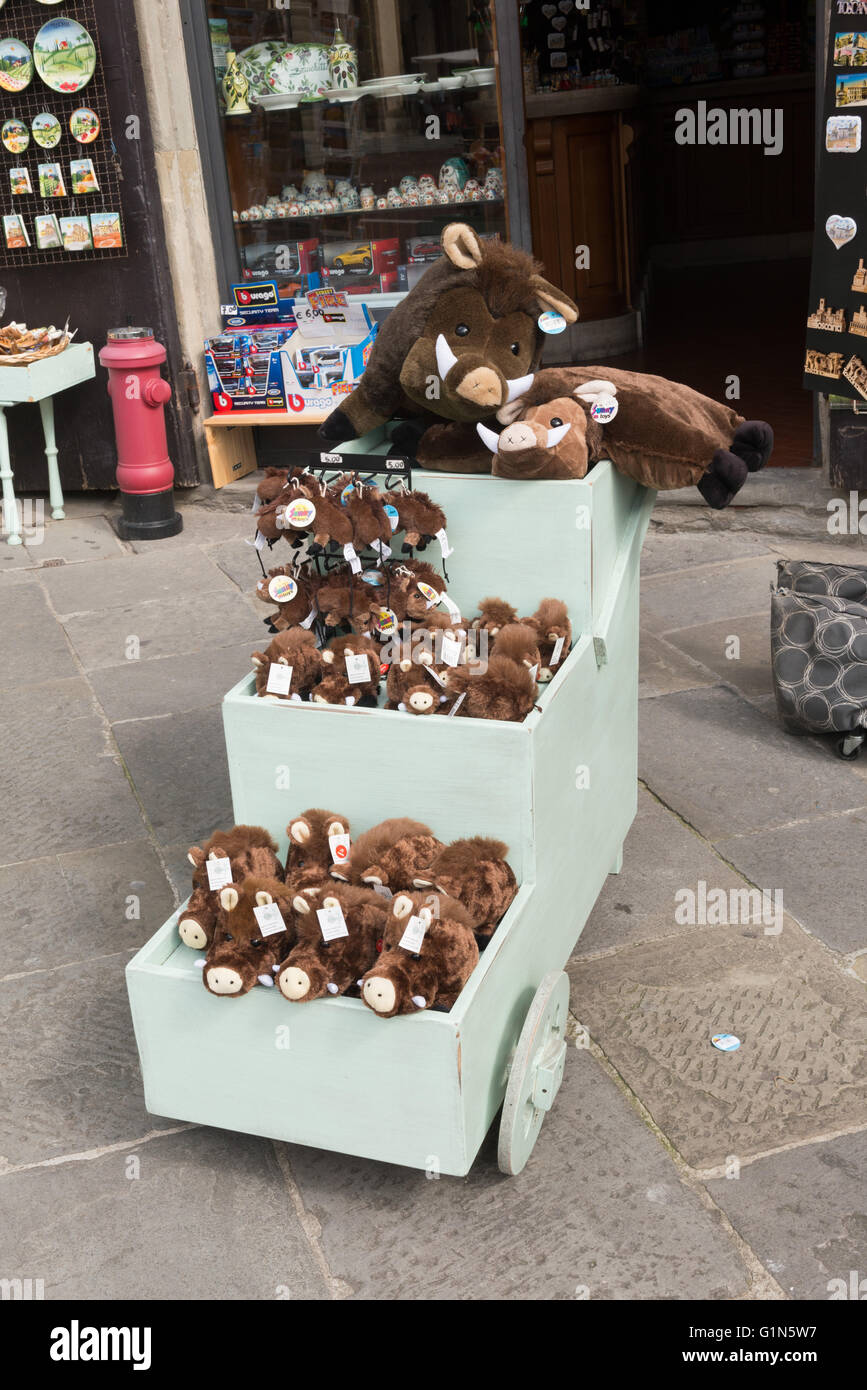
397,918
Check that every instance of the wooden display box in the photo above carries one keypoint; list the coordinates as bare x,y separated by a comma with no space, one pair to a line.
560,789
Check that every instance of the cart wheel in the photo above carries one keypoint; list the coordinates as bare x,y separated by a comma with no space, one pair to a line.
536,1072
849,747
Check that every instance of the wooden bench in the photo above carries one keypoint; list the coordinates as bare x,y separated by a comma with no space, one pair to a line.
231,450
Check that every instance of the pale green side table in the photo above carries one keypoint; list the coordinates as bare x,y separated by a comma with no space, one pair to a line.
39,384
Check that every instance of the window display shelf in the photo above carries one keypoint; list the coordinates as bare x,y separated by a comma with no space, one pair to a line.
465,83
346,214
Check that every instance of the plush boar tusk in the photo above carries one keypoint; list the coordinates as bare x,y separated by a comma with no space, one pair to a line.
445,358
518,386
332,989
554,436
489,438
419,1001
266,980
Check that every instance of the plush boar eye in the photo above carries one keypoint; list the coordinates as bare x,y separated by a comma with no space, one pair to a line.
515,349
227,936
555,422
462,330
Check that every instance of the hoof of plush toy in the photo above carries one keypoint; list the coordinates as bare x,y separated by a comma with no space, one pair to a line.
294,984
332,988
192,934
222,980
379,995
337,428
724,478
407,436
754,443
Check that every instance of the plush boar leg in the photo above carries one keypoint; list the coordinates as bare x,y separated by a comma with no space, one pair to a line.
196,927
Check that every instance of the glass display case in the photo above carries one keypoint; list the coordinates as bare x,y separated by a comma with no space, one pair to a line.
353,133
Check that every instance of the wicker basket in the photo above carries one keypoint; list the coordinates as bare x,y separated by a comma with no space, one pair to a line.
25,359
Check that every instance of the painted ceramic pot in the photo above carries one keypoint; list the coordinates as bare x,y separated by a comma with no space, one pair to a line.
293,210
350,200
472,191
394,198
454,172
289,193
315,207
245,215
236,215
442,195
381,203
300,71
342,62
368,197
408,184
426,184
411,200
428,200
282,210
314,184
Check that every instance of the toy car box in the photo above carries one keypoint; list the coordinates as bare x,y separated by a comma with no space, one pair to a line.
327,353
293,265
361,267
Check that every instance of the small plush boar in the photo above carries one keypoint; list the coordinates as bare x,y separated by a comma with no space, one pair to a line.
432,966
250,850
316,967
242,954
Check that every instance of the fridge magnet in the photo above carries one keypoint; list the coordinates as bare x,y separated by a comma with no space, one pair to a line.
856,374
51,184
850,50
859,281
47,130
64,54
843,134
85,125
48,236
851,90
16,65
858,322
15,136
15,231
76,233
840,229
107,233
830,320
823,363
84,178
20,181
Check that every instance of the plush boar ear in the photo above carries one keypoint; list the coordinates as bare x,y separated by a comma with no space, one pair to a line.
327,657
229,899
551,298
263,899
337,828
402,905
330,902
196,856
299,831
301,905
462,246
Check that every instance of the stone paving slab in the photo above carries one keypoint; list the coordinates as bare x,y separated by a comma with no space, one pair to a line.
238,560
74,541
66,908
708,643
179,768
203,525
131,579
173,684
664,552
61,774
661,856
690,596
33,645
207,1218
70,1079
164,629
662,669
734,770
820,868
802,1212
801,1070
599,1205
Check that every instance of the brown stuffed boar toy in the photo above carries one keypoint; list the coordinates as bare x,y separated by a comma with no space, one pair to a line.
416,682
296,649
250,850
244,953
340,685
314,847
498,689
553,630
316,967
519,642
390,855
291,592
428,954
475,873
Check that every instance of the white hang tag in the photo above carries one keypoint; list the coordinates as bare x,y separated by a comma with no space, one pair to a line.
279,679
383,892
357,668
435,675
260,542
310,619
558,650
452,607
383,550
413,937
534,673
457,704
270,919
257,504
219,873
351,554
332,923
451,650
339,846
443,539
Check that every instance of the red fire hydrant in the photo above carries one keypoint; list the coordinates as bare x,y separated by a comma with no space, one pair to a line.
139,395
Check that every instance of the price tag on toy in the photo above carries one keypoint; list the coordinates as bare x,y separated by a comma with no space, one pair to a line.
351,555
451,650
260,541
339,846
557,653
270,919
357,668
332,923
257,504
219,873
393,517
452,607
282,589
430,594
413,936
551,322
457,704
310,619
279,679
443,539
300,514
382,550
385,622
604,408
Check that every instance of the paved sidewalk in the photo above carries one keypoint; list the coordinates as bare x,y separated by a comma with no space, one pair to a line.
665,1170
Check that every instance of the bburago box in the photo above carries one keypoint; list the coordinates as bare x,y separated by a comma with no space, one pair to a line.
245,371
292,265
328,352
258,302
361,267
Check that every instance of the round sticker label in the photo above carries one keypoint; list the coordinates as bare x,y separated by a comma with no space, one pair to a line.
300,514
373,577
551,322
391,513
385,621
430,594
282,589
346,494
726,1042
604,409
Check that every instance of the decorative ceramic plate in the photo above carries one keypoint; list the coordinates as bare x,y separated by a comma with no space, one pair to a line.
47,130
302,71
85,125
15,136
254,63
65,55
16,65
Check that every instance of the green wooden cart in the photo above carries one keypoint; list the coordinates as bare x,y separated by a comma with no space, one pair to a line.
560,789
